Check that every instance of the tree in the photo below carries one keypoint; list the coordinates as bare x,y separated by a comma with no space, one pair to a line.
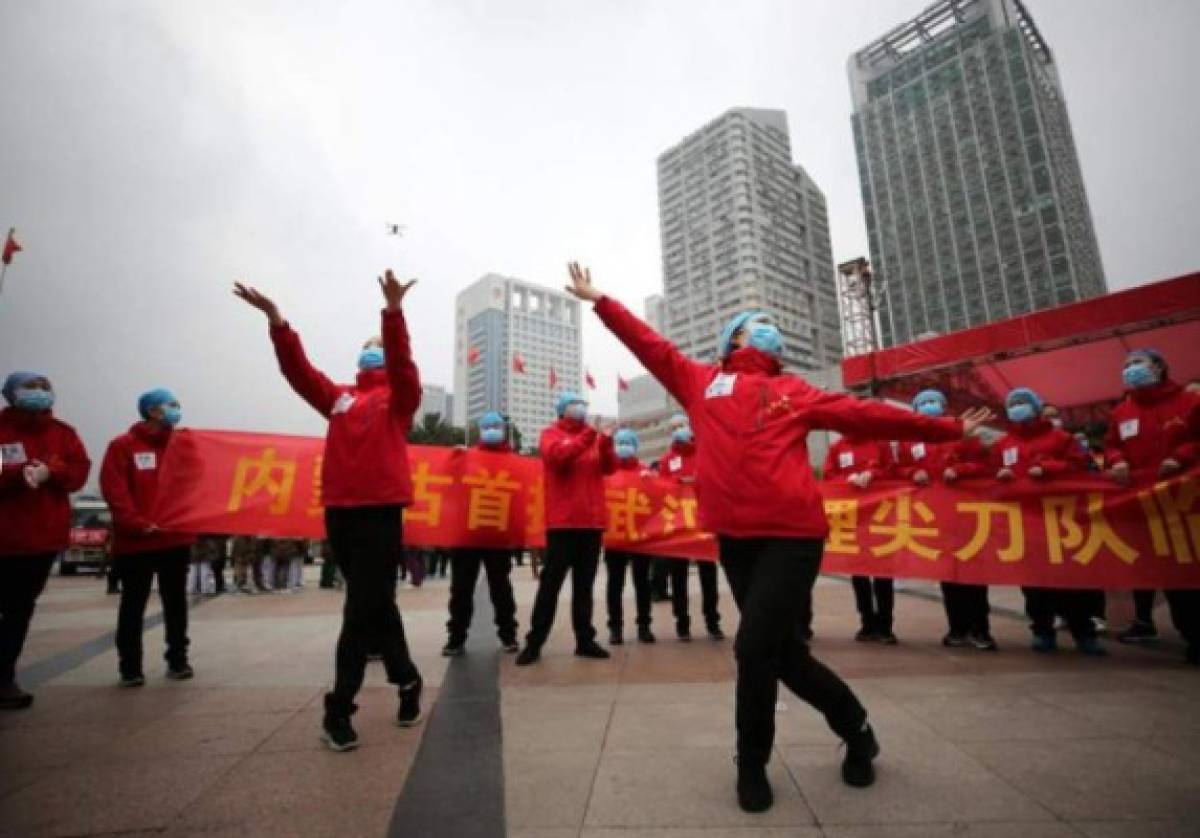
431,430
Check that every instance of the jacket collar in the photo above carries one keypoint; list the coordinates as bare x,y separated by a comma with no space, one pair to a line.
571,426
1028,430
1155,393
751,360
370,379
27,419
685,449
151,432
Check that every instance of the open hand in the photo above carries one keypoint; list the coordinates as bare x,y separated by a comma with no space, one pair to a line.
1005,475
581,283
36,473
260,301
975,418
1169,466
393,289
1036,472
949,475
920,477
1120,473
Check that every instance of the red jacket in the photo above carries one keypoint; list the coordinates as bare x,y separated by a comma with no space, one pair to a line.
129,482
679,463
850,455
751,423
967,457
38,520
366,447
576,458
1153,424
1038,443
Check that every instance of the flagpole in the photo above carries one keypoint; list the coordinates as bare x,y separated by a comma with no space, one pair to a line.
3,271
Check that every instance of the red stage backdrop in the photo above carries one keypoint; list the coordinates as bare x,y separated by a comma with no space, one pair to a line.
1081,532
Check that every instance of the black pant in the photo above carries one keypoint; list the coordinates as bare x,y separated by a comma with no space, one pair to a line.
967,609
1143,606
874,596
660,574
464,572
616,561
708,593
1185,614
1074,606
218,569
579,552
137,572
366,543
22,580
772,581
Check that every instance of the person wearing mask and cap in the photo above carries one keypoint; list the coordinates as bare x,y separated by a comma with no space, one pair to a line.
625,448
142,550
758,495
1034,449
575,457
1154,434
679,464
923,464
497,564
365,485
41,462
860,461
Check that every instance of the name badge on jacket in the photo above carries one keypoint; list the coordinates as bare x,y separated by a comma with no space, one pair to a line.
1128,428
145,460
1009,456
13,452
722,385
343,403
845,459
675,463
918,451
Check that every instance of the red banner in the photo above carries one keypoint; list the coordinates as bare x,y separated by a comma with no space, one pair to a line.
1082,532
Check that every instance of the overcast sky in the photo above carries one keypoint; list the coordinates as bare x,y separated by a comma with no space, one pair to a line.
151,153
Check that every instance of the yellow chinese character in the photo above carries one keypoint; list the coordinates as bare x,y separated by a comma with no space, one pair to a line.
624,507
314,501
1172,519
678,513
843,526
983,512
535,509
490,499
903,534
1064,533
266,474
422,495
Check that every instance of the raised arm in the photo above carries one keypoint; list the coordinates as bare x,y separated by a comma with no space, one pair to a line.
877,420
674,370
403,377
309,383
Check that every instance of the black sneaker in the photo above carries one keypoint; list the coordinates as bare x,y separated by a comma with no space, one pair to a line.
137,680
452,649
984,642
336,730
615,638
715,633
861,748
530,654
1192,655
646,636
887,638
510,645
13,697
865,635
410,705
754,791
180,672
1138,632
591,650
956,641
683,633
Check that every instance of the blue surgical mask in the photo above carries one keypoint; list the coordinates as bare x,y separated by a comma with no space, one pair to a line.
765,338
625,451
491,436
1138,375
33,399
682,435
576,411
931,408
370,358
171,414
1021,412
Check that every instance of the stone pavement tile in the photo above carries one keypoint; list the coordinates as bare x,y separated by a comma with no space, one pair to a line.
1140,828
1051,829
1140,713
701,832
265,787
542,727
300,820
916,782
122,798
547,788
796,723
655,727
232,701
918,687
996,716
692,787
1065,672
1186,748
17,775
571,695
54,746
713,693
108,704
181,736
375,723
1096,779
559,667
702,660
545,832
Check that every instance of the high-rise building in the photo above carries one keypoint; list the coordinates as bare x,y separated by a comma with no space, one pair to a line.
656,312
741,227
434,402
975,205
502,324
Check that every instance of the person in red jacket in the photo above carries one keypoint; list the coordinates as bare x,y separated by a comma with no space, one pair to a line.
141,549
366,484
1154,433
1036,450
859,462
625,448
680,464
41,462
497,564
923,463
575,458
757,493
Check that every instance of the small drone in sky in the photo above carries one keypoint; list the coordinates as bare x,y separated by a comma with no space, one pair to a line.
394,229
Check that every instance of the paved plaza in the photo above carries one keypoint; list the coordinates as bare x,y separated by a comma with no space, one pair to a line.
1007,745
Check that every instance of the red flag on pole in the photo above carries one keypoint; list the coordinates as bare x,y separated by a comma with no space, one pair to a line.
518,364
591,382
473,355
553,378
10,247
622,384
